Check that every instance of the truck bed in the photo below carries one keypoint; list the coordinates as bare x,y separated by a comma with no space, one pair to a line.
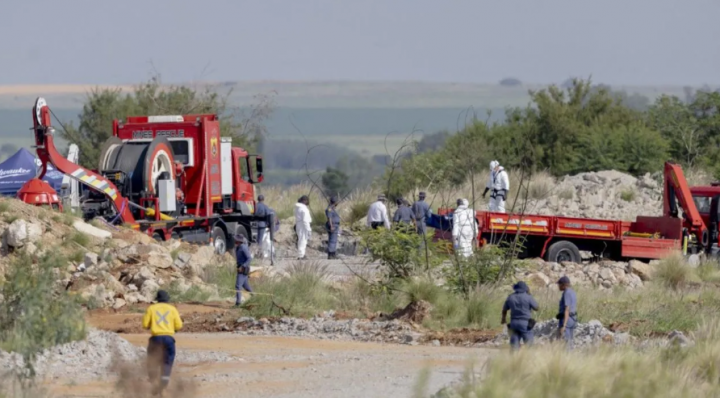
646,237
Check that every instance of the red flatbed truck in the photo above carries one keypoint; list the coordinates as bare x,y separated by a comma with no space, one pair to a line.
558,238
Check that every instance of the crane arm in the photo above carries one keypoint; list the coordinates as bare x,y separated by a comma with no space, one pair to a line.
676,189
48,154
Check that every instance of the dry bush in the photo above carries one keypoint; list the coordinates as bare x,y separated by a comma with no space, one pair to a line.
674,272
540,186
550,371
698,176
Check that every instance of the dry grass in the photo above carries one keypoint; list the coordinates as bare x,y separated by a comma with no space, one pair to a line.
697,176
550,371
351,209
538,186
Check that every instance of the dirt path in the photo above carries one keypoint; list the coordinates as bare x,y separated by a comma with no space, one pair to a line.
297,368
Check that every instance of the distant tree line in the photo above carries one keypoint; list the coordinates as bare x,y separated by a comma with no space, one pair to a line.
582,127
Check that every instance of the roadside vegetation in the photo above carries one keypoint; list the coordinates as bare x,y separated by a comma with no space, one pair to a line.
35,314
550,371
678,298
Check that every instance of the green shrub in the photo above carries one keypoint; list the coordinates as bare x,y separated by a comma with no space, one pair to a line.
36,314
192,295
303,293
358,211
708,270
4,206
223,277
80,238
674,272
628,194
318,219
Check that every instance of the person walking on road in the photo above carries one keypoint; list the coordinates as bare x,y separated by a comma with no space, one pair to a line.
377,214
500,186
520,304
243,259
302,225
464,229
404,216
422,212
261,210
163,321
567,313
333,227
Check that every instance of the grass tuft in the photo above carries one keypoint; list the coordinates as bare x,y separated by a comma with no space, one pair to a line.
628,194
673,272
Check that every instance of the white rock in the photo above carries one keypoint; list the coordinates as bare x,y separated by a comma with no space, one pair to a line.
90,260
90,230
641,269
693,260
16,233
142,276
159,260
119,303
149,289
30,248
34,232
608,275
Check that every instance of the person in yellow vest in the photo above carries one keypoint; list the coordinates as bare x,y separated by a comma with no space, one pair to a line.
163,320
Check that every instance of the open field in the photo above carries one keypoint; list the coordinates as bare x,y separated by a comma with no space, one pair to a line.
340,94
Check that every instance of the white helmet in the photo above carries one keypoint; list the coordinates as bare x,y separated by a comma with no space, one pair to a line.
494,164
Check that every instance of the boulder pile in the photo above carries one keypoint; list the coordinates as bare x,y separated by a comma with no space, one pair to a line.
601,275
107,267
603,194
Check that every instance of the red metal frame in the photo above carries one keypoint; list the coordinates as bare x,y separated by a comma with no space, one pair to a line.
47,153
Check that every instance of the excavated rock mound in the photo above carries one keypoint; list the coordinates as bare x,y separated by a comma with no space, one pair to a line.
604,194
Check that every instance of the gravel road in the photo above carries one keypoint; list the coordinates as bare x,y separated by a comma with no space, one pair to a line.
282,367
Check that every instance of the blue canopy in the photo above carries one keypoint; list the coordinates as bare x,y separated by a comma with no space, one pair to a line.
22,167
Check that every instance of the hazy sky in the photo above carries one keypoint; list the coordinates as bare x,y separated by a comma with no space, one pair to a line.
540,41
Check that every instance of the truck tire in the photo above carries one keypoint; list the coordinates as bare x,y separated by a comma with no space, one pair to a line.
563,251
241,230
219,240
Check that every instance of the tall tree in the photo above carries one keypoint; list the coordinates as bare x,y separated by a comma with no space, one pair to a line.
102,106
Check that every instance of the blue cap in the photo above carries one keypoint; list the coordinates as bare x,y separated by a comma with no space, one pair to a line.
239,238
564,280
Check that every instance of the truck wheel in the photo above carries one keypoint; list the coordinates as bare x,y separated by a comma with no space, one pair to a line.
219,240
563,251
240,230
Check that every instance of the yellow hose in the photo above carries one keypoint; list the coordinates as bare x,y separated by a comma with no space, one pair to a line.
151,213
656,235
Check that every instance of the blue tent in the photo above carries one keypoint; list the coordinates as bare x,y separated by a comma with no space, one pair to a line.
21,167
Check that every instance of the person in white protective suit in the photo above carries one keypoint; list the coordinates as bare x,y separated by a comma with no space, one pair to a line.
302,225
465,229
499,184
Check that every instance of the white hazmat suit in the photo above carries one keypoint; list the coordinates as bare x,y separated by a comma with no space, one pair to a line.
464,230
302,227
499,186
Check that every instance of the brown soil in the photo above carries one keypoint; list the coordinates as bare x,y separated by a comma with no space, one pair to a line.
286,367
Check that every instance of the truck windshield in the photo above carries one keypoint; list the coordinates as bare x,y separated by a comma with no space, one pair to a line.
244,171
702,203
